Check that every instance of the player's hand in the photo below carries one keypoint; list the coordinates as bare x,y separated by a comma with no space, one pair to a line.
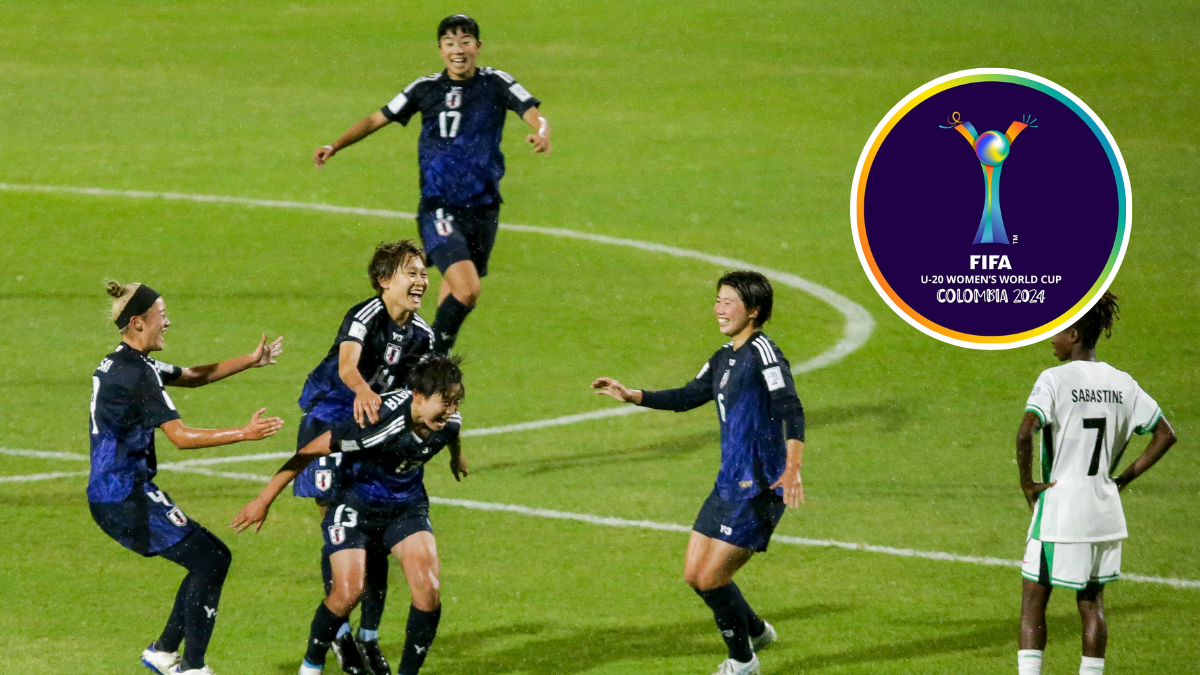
458,466
793,489
254,513
266,354
261,427
541,144
322,154
366,407
610,387
1032,490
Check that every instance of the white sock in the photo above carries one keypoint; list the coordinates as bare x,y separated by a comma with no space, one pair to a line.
1090,665
1029,662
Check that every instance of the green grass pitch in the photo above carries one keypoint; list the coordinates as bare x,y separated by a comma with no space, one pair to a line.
727,128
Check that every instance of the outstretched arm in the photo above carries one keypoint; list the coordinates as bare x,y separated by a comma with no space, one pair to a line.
255,513
540,138
198,376
360,130
187,438
1029,424
1163,439
458,463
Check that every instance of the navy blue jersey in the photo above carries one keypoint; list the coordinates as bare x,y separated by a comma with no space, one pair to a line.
128,403
389,350
383,464
462,122
758,409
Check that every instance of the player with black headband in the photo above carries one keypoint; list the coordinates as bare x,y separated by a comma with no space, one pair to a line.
129,401
378,343
381,503
462,120
1086,411
762,441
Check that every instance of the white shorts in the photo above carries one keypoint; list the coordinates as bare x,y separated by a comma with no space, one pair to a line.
1072,565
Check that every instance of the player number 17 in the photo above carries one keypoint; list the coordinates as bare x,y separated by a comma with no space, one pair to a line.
449,129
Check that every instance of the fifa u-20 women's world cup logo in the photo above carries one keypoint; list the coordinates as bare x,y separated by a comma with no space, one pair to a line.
992,148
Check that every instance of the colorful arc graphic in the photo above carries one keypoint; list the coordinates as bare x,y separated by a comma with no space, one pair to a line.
994,146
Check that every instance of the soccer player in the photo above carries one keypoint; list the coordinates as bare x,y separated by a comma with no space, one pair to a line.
381,502
462,120
762,441
1086,411
129,402
379,341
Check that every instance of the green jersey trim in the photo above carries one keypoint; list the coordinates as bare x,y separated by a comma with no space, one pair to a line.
1037,411
1149,428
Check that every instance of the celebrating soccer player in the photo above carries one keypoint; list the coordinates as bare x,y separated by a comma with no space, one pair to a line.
380,339
1086,411
381,503
762,440
129,402
462,120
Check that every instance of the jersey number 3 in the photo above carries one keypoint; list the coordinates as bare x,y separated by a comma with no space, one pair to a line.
448,121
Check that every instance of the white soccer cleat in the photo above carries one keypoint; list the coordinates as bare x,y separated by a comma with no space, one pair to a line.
306,669
765,640
731,667
159,662
178,670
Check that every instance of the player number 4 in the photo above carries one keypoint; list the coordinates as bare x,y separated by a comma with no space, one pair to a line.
448,121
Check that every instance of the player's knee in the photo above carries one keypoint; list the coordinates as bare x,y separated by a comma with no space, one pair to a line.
702,579
468,293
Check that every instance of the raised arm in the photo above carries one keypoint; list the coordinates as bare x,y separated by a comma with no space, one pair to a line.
692,395
198,376
1163,439
188,438
360,130
255,513
540,138
1029,424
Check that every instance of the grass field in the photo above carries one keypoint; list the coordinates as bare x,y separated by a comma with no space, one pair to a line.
716,127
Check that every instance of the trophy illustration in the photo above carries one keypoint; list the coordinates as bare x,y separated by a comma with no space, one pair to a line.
991,147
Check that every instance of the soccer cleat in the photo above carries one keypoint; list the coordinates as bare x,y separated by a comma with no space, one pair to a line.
178,670
306,669
731,667
768,638
159,662
373,655
348,656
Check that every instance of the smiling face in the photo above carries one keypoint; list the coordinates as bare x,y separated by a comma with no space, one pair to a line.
732,317
150,327
407,286
459,51
434,412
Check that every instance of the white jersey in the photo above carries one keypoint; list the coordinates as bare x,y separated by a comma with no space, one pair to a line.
1088,411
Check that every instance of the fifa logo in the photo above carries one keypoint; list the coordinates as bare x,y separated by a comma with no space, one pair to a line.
992,148
454,98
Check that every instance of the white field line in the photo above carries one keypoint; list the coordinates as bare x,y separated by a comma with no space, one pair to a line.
196,466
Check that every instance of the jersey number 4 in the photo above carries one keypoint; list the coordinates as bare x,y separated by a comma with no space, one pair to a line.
448,121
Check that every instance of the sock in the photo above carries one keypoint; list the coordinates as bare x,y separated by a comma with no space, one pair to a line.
366,635
326,571
206,559
172,634
1090,665
757,625
323,630
449,319
342,630
418,638
731,620
1029,662
375,590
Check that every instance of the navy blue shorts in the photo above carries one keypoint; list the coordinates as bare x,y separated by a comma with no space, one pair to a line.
146,522
452,233
346,527
747,524
320,478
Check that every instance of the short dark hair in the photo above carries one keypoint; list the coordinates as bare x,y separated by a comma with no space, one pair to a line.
754,290
458,22
437,374
390,256
1099,319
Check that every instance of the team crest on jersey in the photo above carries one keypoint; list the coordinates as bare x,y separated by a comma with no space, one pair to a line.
176,516
337,534
392,354
725,378
454,98
323,479
732,362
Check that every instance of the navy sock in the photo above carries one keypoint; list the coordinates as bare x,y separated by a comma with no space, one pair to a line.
418,638
172,635
449,319
375,591
731,620
326,571
206,559
324,629
757,625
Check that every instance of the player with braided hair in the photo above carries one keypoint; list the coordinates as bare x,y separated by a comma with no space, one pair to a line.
1086,411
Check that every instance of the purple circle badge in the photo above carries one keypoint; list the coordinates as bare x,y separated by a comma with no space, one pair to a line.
964,261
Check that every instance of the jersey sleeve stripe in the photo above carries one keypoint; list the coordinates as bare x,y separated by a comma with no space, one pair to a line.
393,428
1149,428
1037,411
368,310
762,354
419,80
768,348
